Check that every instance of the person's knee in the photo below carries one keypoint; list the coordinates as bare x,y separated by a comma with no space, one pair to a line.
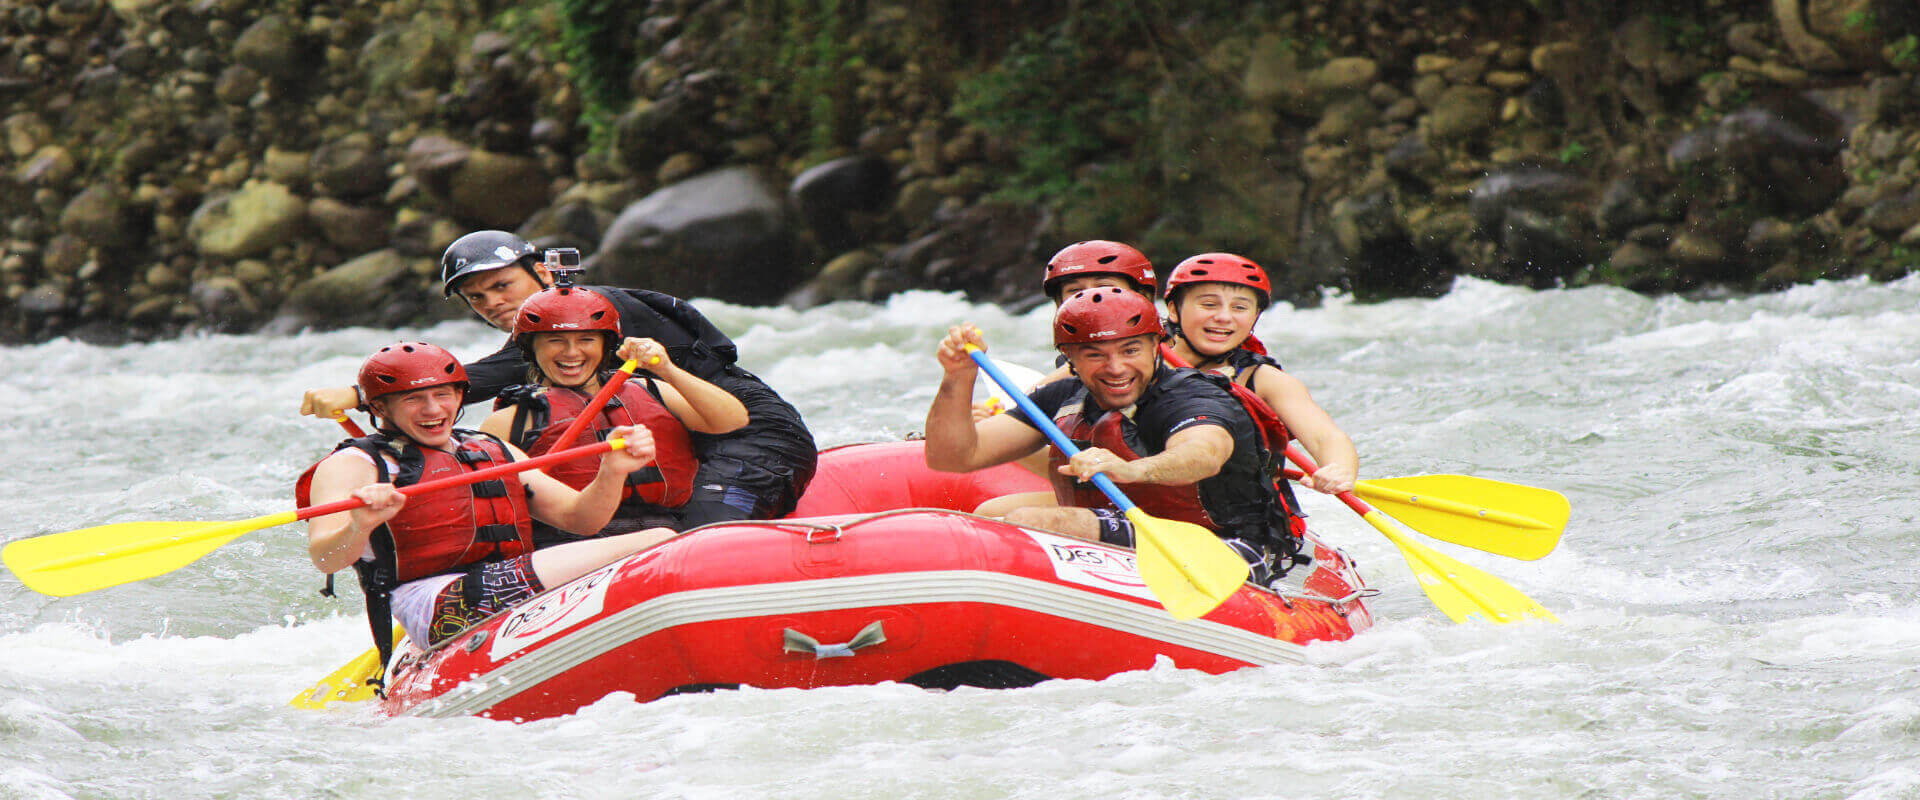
1029,516
561,563
640,540
1076,522
1008,503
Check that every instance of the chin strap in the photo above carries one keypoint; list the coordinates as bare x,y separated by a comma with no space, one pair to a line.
1202,364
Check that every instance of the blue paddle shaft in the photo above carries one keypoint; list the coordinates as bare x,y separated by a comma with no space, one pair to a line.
1046,426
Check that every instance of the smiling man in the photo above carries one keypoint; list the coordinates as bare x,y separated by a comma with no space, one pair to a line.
1175,440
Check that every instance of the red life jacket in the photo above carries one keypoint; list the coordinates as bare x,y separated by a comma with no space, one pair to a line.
667,482
1179,502
450,529
1160,500
1245,361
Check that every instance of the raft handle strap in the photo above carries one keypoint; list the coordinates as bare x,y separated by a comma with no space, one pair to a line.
793,641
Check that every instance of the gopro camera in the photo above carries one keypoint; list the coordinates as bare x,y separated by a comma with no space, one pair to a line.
564,263
561,257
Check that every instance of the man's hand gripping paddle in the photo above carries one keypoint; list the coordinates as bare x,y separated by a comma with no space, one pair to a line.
1189,568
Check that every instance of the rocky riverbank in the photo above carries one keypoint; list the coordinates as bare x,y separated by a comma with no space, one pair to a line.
174,165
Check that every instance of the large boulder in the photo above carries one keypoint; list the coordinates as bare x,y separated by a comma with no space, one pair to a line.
1781,140
351,166
380,289
828,196
723,234
248,222
354,229
1463,112
985,248
100,215
410,53
1381,256
275,46
432,161
497,190
1542,220
646,135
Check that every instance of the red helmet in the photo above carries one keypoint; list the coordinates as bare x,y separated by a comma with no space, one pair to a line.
1104,314
1221,268
1098,257
406,366
566,310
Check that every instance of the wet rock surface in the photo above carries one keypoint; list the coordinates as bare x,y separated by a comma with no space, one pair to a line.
173,165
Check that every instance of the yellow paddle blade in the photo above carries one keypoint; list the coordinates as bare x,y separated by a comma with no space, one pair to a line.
1516,521
348,684
75,562
1185,565
1459,591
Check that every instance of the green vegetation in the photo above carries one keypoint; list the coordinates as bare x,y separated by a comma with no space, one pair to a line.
1684,33
1107,86
1574,151
1017,102
1904,52
593,38
805,60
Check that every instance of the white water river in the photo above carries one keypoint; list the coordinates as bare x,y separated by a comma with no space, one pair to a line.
1738,584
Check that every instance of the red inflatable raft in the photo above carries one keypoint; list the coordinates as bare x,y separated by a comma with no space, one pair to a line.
856,594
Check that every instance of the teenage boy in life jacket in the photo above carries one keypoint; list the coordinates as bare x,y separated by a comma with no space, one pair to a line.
1176,441
440,561
756,472
1213,300
571,336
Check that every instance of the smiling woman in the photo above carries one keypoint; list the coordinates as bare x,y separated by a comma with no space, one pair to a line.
569,336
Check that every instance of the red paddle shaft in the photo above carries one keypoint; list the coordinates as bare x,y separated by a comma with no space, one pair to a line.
599,402
471,477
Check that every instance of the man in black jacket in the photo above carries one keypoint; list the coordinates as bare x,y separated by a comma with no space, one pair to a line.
756,472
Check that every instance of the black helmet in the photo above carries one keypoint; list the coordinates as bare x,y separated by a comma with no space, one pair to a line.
481,251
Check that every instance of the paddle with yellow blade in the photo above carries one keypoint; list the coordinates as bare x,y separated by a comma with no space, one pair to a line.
1508,519
349,683
1459,591
1189,568
74,562
1512,520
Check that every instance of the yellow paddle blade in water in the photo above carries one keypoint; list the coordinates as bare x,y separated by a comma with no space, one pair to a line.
1185,565
348,684
1459,591
75,562
1523,522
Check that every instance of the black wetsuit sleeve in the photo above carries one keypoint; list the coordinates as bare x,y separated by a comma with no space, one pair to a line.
691,341
1048,398
1188,402
487,376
